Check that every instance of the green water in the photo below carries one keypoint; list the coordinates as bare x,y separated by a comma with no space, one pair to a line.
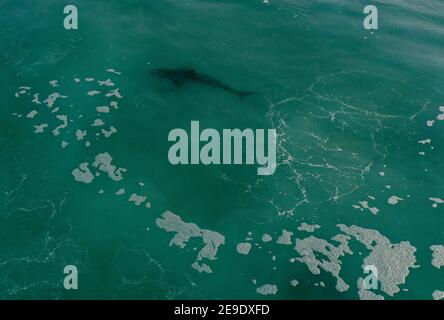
347,104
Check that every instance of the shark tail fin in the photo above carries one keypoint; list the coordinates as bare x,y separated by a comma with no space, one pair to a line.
244,94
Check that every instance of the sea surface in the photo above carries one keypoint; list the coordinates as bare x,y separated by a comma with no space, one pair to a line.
360,150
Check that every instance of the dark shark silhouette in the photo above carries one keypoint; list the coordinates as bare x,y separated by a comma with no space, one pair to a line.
182,76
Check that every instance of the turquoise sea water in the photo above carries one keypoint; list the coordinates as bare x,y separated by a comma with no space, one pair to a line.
349,107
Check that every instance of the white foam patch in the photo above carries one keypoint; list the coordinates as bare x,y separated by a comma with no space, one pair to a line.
22,90
52,98
285,238
266,237
438,256
138,200
110,132
97,123
40,128
93,93
184,231
310,247
114,93
393,200
80,134
393,261
83,174
308,227
111,70
438,295
102,109
437,201
294,283
365,294
103,162
426,141
31,114
440,116
267,289
107,83
203,267
36,99
365,205
114,104
64,124
243,248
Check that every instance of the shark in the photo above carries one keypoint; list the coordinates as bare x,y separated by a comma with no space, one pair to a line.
182,76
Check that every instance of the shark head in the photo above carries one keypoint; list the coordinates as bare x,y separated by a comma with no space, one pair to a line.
161,73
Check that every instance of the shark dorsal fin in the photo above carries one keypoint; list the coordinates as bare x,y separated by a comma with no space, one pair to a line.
190,71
